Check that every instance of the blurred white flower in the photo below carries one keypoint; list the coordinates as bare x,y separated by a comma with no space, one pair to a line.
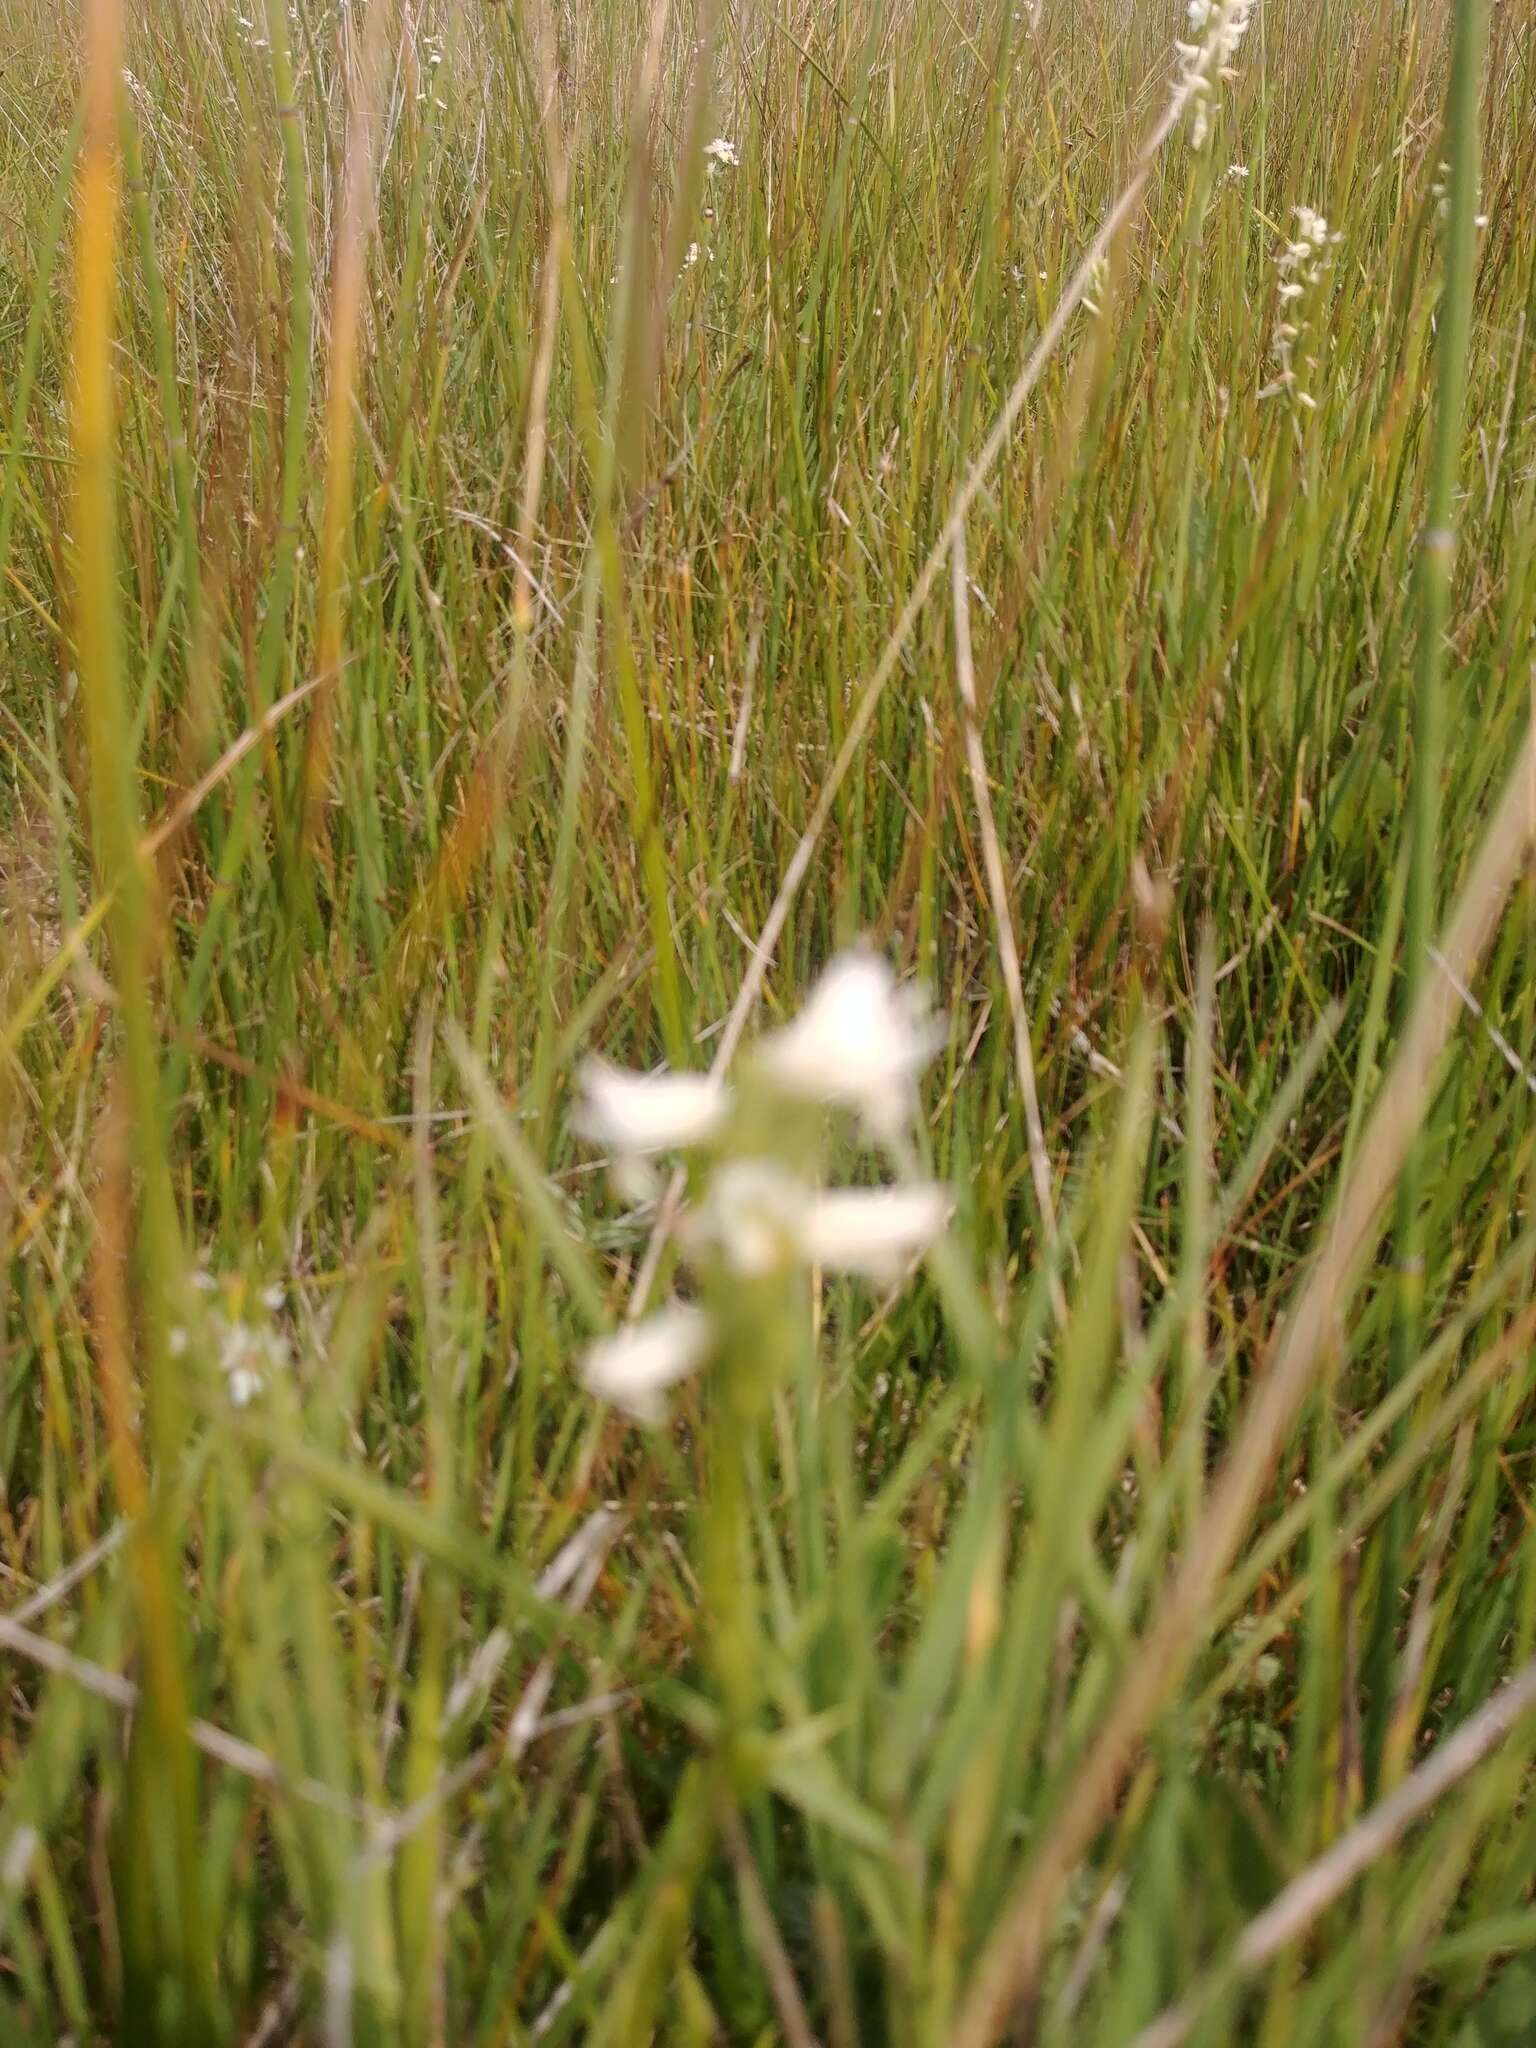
872,1231
693,255
634,1367
720,152
635,1179
637,1114
861,1042
760,1217
1216,32
1440,192
248,1357
1313,236
753,1215
1302,266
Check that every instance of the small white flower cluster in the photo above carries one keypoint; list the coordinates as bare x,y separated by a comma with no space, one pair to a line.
249,1354
248,1358
1216,31
432,52
721,154
1302,265
253,26
1440,192
859,1044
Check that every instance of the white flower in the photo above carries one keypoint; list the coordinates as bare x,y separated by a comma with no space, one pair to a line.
761,1218
1237,173
872,1231
635,1366
635,1180
721,152
637,1114
753,1215
247,1358
860,1042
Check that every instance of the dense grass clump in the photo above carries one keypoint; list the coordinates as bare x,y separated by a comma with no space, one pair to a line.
525,533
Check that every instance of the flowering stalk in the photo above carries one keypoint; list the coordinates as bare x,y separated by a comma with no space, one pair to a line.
1303,266
759,1226
1216,32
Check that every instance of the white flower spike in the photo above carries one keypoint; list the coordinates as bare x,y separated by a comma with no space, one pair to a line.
638,1114
861,1042
721,153
636,1365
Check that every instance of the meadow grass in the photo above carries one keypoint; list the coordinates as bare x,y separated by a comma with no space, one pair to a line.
489,578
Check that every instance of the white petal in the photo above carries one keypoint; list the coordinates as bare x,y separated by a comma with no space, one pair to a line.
244,1386
873,1231
634,1366
860,1040
639,1113
635,1180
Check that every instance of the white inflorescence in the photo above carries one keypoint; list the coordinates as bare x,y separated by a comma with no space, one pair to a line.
721,154
860,1044
1439,191
1216,31
248,1359
1302,266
